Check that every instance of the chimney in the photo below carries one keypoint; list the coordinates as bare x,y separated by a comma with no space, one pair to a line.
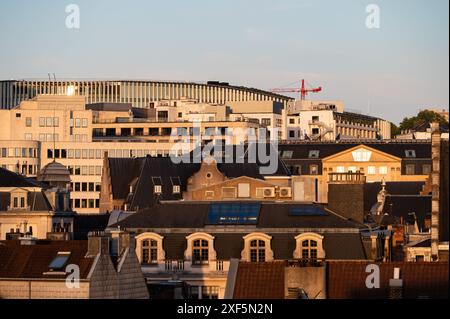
435,175
346,195
121,240
28,240
396,285
98,243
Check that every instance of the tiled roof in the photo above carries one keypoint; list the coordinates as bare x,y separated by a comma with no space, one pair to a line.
260,281
346,280
32,261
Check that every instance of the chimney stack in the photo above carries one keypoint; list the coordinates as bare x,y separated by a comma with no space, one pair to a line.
98,243
435,182
396,285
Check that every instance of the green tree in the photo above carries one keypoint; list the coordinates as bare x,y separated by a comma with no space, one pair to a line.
424,117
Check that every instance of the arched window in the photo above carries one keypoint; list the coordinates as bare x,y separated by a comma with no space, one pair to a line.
200,252
309,246
257,248
149,248
200,249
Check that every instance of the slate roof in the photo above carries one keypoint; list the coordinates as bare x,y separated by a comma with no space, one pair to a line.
402,206
32,261
175,221
85,223
301,150
36,200
371,191
194,215
346,280
10,179
144,173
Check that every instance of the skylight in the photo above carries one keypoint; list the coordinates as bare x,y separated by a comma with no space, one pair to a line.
307,211
59,261
233,213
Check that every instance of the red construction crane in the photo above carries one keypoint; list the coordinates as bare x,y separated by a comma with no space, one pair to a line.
303,90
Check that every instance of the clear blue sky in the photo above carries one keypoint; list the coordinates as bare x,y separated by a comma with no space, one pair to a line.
389,72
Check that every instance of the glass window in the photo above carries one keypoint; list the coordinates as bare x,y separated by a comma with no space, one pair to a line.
56,121
28,122
84,187
309,249
200,252
91,203
340,169
383,170
257,251
410,169
49,122
371,170
313,169
42,121
149,252
352,169
77,187
77,122
84,203
85,123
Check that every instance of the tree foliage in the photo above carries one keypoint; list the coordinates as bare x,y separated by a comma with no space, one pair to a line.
423,117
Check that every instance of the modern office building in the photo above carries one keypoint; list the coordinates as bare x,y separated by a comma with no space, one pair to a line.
137,93
65,129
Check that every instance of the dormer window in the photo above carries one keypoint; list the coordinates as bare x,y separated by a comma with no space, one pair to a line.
314,154
176,189
18,199
200,249
157,189
410,153
257,248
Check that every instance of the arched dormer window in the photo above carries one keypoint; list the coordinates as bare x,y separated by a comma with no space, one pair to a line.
200,249
309,246
149,248
257,248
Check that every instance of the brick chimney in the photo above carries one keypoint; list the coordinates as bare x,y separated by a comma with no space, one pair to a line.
98,243
435,182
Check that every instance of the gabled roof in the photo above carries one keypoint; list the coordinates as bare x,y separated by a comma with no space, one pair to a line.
32,261
357,147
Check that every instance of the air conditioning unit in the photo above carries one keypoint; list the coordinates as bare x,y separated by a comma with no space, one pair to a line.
268,192
285,192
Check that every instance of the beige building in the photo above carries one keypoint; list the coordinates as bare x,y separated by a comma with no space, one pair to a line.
328,121
63,128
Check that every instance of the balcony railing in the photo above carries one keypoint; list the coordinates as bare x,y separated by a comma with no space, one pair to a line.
306,262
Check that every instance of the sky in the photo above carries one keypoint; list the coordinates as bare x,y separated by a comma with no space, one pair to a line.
391,71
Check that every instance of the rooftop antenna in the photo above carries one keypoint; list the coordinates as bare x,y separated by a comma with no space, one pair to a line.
54,126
